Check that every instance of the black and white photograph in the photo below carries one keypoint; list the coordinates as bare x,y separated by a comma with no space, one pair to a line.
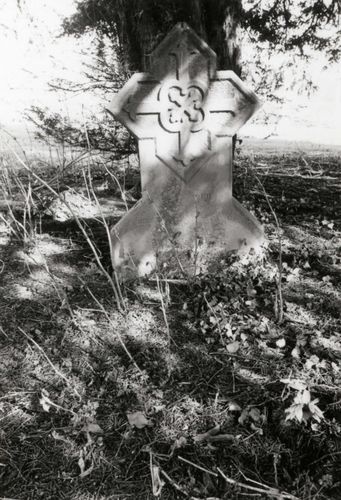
170,249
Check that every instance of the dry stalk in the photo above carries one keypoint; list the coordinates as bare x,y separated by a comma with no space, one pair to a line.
113,176
279,295
104,222
203,469
120,306
174,483
163,308
29,203
15,221
21,230
196,236
265,490
118,287
16,142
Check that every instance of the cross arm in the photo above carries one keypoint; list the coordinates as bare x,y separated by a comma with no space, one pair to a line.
230,103
136,100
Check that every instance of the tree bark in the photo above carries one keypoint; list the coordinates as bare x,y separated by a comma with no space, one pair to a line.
142,24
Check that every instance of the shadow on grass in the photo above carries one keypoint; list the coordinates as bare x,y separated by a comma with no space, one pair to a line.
67,385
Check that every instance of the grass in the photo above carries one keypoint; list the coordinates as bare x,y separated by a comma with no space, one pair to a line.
196,390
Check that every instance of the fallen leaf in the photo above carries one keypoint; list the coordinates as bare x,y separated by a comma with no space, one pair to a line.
259,430
280,343
138,420
93,428
294,383
295,353
255,414
179,443
158,408
305,398
81,464
45,401
244,416
233,406
312,361
59,437
87,472
250,303
233,347
243,337
335,367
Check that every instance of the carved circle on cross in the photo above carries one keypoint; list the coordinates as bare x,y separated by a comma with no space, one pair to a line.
182,106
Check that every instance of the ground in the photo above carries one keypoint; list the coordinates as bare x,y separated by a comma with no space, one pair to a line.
222,386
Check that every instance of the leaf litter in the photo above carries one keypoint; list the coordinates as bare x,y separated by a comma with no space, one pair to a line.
232,395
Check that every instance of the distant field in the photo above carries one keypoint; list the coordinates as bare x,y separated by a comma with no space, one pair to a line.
21,141
277,145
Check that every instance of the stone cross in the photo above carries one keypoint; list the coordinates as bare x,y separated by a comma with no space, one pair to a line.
184,114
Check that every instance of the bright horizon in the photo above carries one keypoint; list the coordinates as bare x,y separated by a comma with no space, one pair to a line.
33,57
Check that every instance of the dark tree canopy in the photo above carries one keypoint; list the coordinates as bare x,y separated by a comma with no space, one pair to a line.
127,31
287,25
296,24
139,25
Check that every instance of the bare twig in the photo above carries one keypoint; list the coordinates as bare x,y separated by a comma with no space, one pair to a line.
203,469
123,196
174,484
266,490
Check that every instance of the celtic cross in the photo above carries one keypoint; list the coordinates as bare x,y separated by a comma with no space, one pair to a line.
184,114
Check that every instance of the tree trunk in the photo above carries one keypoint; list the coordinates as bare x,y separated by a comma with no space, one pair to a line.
142,24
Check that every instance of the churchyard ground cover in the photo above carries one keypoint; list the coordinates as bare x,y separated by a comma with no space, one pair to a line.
197,390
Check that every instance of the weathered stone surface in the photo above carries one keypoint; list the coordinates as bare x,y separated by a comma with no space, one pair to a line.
184,115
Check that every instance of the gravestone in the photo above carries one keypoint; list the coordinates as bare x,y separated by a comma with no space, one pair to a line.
184,114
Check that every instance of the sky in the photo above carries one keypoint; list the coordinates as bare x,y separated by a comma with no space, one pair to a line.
31,56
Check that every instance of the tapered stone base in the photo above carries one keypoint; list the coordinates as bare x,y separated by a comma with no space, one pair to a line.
148,238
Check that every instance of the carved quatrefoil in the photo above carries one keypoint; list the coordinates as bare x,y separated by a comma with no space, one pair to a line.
185,106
